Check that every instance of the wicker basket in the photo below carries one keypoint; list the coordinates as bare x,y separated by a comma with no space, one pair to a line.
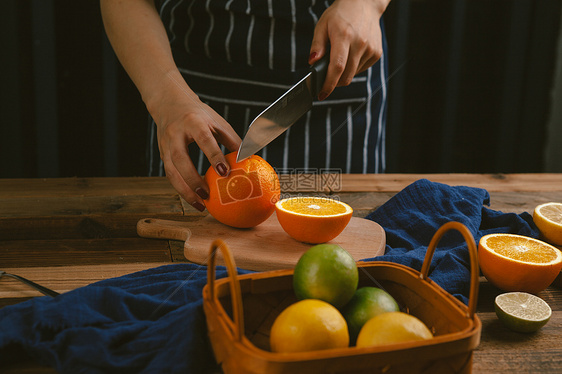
241,309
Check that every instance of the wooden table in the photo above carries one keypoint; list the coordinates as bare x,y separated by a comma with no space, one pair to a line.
67,233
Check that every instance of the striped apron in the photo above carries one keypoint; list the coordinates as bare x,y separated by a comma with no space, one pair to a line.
241,55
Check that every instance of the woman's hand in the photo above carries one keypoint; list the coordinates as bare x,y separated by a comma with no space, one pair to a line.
182,119
352,29
135,31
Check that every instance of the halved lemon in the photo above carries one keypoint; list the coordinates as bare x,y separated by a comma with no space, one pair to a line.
518,263
548,218
521,311
313,219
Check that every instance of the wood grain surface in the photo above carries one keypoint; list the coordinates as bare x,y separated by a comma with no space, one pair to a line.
68,232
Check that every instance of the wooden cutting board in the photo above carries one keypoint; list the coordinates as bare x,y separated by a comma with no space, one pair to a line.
261,248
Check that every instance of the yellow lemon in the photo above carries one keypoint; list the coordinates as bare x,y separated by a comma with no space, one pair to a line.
390,328
308,325
548,218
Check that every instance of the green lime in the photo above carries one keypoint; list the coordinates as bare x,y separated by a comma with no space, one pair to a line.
326,272
366,303
521,311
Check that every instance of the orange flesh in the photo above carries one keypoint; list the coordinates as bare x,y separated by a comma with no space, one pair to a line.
521,249
314,207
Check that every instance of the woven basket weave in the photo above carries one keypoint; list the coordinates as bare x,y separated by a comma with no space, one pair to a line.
241,309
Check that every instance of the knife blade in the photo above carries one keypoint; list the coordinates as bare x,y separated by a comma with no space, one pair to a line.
284,111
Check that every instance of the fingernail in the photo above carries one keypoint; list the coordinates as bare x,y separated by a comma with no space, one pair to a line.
202,193
322,96
222,170
312,56
197,205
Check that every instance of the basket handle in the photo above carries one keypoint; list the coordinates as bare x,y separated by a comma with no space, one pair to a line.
474,270
235,291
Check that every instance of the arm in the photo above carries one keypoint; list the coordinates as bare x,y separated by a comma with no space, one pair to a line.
139,39
352,29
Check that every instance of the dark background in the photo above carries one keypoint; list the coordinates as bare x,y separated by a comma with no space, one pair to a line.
470,89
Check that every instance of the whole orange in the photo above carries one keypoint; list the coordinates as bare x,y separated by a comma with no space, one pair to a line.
247,196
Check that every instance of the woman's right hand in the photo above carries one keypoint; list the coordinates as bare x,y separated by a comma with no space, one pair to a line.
181,119
352,29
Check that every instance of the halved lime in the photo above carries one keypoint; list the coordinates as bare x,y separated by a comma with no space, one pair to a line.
521,311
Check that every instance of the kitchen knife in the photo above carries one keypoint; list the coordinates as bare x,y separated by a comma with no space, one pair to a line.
285,111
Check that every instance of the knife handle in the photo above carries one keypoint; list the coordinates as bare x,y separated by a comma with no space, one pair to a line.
319,70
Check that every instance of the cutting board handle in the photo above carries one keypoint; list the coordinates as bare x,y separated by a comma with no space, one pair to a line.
163,229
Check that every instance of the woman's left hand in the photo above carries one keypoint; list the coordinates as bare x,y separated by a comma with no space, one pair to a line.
352,29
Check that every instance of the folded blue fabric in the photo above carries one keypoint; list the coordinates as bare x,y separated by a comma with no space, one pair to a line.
146,322
153,322
411,218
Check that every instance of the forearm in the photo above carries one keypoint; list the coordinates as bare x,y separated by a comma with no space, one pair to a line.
140,42
379,5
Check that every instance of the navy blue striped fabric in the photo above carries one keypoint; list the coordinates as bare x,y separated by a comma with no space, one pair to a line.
240,56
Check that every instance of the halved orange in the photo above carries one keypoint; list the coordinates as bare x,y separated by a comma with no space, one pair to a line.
313,219
518,263
548,218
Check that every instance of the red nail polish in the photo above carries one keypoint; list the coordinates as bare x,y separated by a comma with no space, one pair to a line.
312,56
197,205
322,96
202,193
222,170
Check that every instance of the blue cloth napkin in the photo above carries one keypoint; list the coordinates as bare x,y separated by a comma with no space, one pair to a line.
411,218
153,322
150,321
